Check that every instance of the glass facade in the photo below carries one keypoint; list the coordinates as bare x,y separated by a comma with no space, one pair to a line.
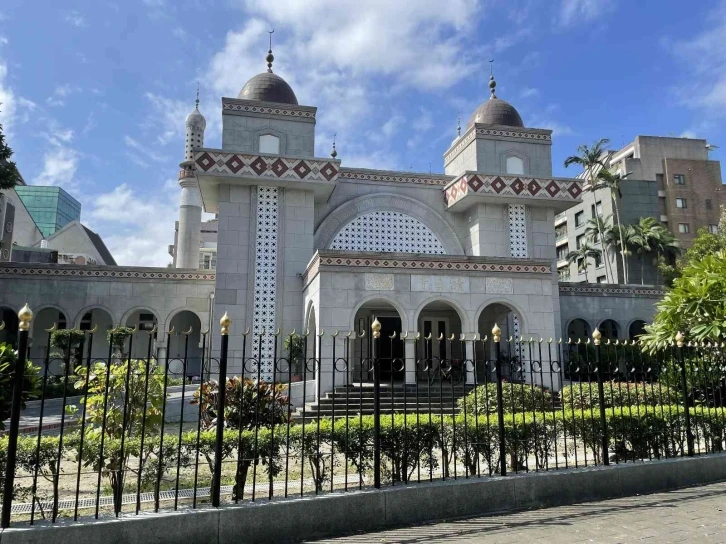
50,207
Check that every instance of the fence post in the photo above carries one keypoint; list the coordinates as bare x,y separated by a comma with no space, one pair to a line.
596,336
684,383
497,335
224,323
25,316
376,327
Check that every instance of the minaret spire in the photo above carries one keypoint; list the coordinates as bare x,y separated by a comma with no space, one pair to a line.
196,102
270,57
458,125
334,153
492,82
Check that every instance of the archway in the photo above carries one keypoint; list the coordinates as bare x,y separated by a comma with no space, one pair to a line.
579,329
609,329
145,320
102,321
181,343
9,334
511,324
439,322
43,320
391,350
636,328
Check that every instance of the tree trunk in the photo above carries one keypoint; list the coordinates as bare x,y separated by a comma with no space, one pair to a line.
642,268
622,243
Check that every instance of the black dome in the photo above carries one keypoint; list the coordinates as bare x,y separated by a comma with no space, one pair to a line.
496,112
268,87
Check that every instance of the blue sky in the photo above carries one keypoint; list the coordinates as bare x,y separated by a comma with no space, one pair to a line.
95,93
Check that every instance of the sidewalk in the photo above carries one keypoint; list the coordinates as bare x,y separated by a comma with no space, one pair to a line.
695,515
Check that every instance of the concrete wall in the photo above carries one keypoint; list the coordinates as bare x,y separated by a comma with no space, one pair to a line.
241,134
291,520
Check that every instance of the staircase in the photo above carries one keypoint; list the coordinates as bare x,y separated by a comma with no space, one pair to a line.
358,399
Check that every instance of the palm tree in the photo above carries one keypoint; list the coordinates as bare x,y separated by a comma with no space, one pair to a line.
590,159
650,236
612,182
580,256
666,248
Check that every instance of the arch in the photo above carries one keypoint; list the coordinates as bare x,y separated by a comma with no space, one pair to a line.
513,306
514,153
100,317
347,212
43,319
578,328
130,312
183,320
175,312
90,308
371,298
391,352
635,328
610,329
463,316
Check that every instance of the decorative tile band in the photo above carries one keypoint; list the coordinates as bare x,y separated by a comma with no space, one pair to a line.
541,188
475,131
286,111
114,272
348,173
422,264
270,167
611,290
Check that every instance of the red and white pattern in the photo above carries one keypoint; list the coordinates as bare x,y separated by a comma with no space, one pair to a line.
66,271
266,166
243,106
518,186
349,173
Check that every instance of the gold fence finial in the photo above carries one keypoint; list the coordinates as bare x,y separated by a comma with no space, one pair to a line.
25,316
376,328
679,339
225,322
596,336
496,332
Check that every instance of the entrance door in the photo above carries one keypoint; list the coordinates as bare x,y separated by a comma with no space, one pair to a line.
437,327
391,352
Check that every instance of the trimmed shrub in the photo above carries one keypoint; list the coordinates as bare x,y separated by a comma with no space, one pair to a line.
617,394
516,397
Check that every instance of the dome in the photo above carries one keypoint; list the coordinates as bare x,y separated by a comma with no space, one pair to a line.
196,119
268,87
496,112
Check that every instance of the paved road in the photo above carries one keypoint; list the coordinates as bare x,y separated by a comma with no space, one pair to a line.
695,515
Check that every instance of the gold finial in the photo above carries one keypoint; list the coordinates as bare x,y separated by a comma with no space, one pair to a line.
679,339
225,322
25,316
376,328
496,332
596,336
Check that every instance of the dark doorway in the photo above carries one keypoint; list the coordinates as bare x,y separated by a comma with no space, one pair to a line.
391,350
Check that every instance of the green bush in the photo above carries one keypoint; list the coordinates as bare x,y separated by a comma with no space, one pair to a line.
516,397
31,381
585,395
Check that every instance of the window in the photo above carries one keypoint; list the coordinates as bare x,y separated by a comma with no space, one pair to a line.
562,252
709,206
561,231
515,165
563,274
146,322
596,209
681,203
601,279
579,219
580,240
598,260
713,229
679,179
269,144
683,228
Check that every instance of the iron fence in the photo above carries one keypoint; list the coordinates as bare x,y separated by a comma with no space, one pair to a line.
319,413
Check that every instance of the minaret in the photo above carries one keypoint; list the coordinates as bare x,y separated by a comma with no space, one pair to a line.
190,208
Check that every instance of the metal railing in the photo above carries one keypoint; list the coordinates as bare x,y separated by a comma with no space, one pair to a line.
368,409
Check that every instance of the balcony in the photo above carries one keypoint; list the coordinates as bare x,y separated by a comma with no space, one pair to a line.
562,263
561,239
476,188
560,219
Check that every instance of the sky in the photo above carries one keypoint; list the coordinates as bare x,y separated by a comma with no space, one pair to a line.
94,94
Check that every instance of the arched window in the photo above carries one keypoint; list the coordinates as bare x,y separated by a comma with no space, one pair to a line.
515,165
269,144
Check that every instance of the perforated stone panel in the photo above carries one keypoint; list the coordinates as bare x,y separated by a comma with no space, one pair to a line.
265,280
518,231
387,232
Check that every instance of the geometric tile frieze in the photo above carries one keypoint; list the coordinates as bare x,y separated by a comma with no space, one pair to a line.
283,168
114,272
611,290
516,186
364,175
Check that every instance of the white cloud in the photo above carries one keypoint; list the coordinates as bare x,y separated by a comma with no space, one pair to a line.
13,109
60,93
75,18
705,56
168,118
59,167
144,150
573,12
3,40
136,228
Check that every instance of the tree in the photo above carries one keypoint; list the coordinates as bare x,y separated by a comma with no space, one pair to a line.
581,255
612,182
31,381
590,159
598,230
651,237
9,175
695,305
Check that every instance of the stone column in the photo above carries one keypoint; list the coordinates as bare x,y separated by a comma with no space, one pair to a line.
410,359
469,361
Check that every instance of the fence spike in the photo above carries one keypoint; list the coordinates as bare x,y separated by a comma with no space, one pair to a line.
393,336
95,328
51,329
187,333
321,333
362,333
170,331
2,325
550,340
418,336
246,332
152,331
335,334
452,337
